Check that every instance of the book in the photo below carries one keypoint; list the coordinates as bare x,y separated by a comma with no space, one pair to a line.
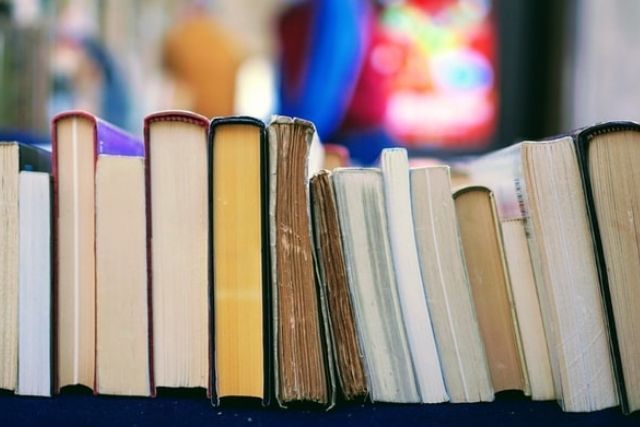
496,171
332,280
559,222
122,302
542,186
301,360
178,227
78,140
388,365
241,281
394,165
490,287
462,355
608,154
25,269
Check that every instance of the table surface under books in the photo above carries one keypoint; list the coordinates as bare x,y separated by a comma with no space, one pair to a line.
509,409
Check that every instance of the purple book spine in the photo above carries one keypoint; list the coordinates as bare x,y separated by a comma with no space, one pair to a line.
116,142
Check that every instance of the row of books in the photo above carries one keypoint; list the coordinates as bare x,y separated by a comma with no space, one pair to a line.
211,255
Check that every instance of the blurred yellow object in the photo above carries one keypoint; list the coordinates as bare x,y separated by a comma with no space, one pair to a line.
204,59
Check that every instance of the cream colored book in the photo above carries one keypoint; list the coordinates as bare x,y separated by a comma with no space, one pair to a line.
372,283
540,192
122,311
25,269
453,315
394,164
178,216
491,287
496,171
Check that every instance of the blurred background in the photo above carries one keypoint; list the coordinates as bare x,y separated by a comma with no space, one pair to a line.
440,77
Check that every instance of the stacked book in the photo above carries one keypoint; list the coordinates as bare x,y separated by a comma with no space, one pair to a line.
213,255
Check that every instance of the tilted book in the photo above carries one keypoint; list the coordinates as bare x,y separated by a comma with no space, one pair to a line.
333,288
542,207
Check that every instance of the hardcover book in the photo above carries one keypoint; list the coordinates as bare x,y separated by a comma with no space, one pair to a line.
302,350
241,279
179,256
608,154
99,309
539,184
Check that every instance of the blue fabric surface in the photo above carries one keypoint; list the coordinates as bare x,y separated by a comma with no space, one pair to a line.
508,409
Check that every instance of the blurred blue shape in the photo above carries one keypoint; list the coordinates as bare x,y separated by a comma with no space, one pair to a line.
115,106
365,145
338,42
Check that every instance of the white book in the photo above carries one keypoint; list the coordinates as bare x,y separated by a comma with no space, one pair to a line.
372,283
34,296
397,193
444,275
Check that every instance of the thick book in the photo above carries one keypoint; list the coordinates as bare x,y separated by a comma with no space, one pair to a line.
490,287
394,164
302,350
609,154
99,309
241,269
25,269
178,248
333,284
444,274
538,187
372,282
